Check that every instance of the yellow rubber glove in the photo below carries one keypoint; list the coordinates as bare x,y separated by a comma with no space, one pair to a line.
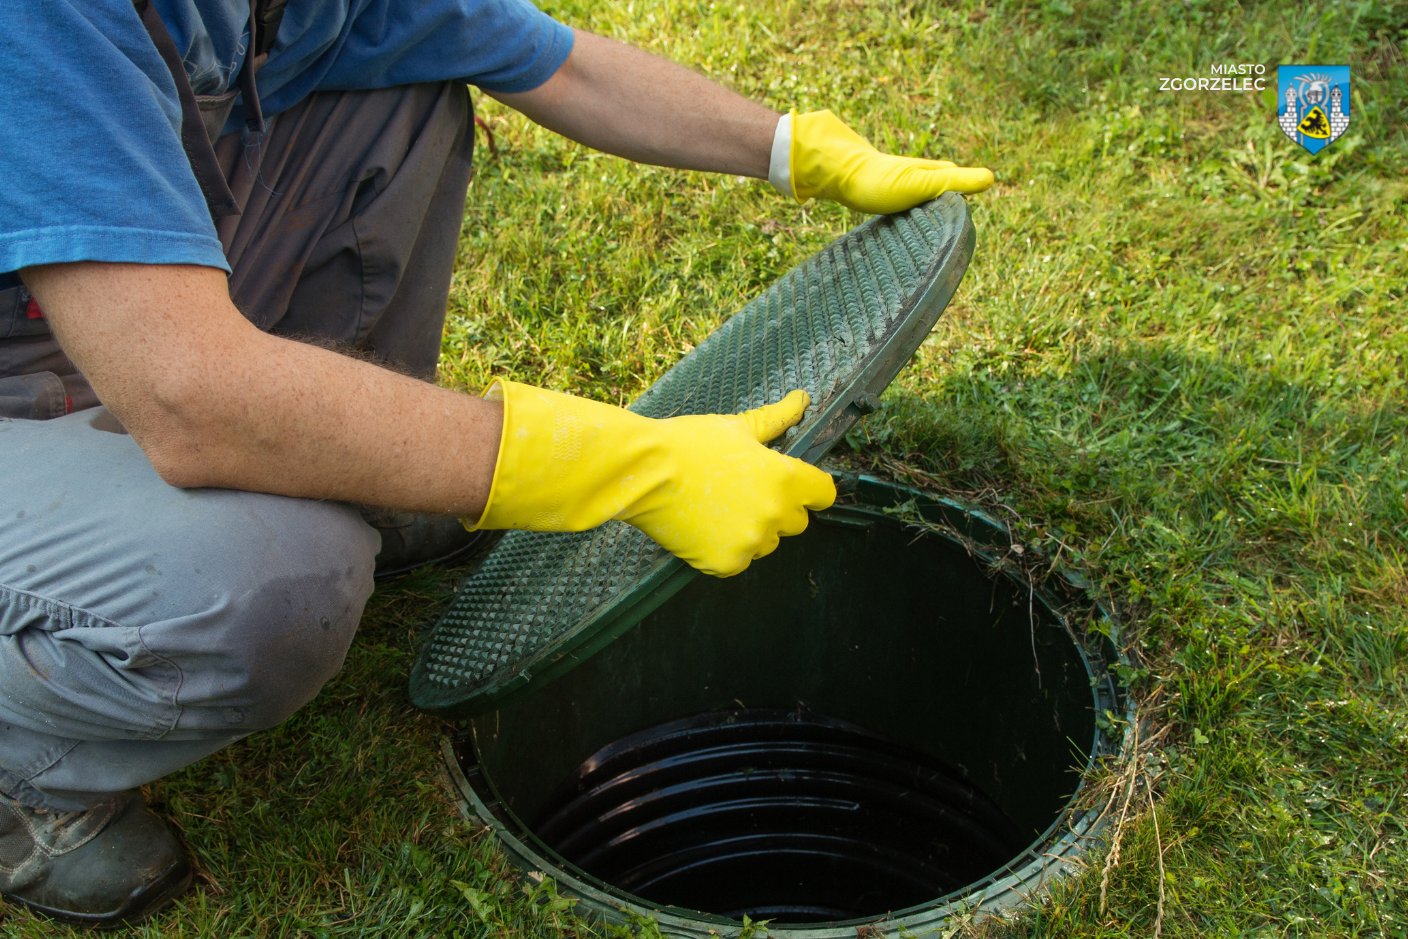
703,486
826,158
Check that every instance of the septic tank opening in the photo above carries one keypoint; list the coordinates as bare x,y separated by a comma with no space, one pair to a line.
778,815
874,722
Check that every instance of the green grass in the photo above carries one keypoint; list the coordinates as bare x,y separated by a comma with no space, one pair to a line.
1178,361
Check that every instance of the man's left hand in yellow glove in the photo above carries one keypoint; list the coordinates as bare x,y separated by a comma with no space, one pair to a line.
703,486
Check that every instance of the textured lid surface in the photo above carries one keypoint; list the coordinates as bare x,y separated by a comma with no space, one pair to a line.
841,325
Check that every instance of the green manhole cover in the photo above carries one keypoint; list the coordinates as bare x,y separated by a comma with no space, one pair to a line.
840,325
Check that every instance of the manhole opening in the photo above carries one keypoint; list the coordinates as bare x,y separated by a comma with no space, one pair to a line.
872,722
777,815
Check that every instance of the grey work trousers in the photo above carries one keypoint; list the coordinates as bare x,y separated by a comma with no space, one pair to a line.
143,627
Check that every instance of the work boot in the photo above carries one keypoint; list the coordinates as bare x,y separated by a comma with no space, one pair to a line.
116,862
413,539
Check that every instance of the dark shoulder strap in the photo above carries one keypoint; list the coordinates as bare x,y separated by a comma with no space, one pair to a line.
264,19
267,16
194,140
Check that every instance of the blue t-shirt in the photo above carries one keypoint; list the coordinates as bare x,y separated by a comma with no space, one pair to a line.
91,165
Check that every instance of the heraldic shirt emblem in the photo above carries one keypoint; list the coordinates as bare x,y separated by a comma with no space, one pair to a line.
1314,104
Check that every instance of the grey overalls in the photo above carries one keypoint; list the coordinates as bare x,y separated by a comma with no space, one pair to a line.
142,626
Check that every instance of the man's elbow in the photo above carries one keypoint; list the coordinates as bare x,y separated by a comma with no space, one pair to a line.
176,425
180,465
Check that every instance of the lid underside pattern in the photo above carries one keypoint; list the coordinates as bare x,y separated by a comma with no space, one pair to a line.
840,325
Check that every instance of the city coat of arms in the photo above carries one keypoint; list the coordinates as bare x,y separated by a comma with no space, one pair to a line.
1314,104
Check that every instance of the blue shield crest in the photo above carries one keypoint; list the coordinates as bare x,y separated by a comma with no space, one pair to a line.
1314,104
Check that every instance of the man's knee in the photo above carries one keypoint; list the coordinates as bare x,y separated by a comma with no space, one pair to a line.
277,631
291,652
94,706
131,610
242,661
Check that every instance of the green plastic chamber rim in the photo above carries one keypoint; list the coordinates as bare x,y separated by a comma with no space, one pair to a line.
1053,726
840,325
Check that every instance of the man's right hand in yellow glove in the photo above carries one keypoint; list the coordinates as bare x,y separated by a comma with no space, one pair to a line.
816,154
705,487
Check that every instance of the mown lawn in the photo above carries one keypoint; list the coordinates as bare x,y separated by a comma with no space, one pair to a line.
1178,363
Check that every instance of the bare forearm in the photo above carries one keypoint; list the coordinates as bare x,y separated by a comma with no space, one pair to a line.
619,99
214,402
309,422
